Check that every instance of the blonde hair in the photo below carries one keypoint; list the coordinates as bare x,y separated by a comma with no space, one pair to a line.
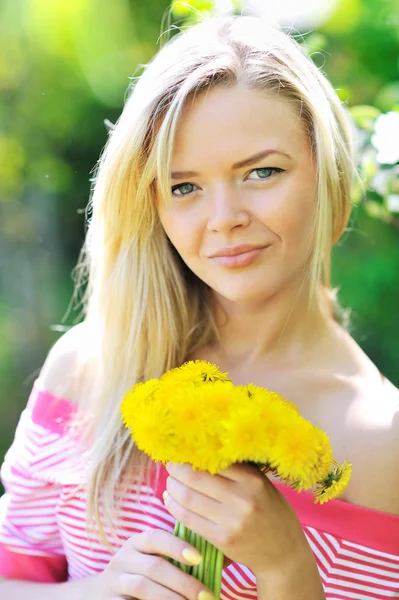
145,311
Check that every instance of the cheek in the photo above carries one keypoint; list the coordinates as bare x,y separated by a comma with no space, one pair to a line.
183,233
292,219
298,224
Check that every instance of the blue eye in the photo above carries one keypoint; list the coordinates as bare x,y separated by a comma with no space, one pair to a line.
263,170
182,187
187,188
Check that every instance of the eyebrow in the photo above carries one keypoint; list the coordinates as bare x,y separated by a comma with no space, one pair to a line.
238,165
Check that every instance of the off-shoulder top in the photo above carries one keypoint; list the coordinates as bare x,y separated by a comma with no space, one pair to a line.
42,519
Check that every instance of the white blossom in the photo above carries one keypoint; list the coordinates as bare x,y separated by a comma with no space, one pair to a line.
380,182
386,138
393,202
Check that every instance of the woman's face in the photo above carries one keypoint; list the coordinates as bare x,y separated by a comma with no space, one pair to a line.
223,196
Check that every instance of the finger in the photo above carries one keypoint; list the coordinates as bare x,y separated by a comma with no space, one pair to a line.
238,472
160,542
139,587
211,531
213,486
234,472
155,577
196,502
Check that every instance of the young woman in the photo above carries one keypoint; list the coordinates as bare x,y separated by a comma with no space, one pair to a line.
218,198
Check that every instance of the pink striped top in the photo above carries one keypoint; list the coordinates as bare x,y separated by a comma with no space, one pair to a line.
42,519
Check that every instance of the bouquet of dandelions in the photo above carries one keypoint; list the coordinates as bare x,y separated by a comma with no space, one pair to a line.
194,414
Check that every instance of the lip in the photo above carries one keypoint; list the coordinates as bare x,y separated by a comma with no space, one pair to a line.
234,250
238,259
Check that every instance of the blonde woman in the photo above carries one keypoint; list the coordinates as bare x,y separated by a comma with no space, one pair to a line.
218,198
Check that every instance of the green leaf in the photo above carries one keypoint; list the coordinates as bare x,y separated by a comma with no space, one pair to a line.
365,115
188,9
315,42
375,209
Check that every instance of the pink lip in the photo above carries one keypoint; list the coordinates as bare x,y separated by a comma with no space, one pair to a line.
233,250
239,260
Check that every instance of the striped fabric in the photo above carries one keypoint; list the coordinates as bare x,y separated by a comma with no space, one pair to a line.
43,533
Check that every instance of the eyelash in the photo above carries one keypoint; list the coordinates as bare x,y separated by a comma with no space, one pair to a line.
179,185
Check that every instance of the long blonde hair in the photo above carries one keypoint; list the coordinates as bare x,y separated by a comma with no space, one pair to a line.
144,310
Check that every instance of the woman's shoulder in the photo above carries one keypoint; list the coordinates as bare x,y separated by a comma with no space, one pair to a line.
348,363
372,445
389,388
374,399
368,411
62,372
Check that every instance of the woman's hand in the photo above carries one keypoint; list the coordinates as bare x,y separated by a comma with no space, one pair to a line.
138,570
241,513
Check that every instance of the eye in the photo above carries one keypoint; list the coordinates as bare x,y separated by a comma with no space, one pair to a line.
265,173
187,188
184,188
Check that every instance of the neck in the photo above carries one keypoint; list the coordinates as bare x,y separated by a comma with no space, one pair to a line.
282,329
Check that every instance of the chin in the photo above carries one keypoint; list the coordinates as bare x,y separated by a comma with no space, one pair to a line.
242,293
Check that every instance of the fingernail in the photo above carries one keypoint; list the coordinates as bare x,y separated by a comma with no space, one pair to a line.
192,556
165,496
206,596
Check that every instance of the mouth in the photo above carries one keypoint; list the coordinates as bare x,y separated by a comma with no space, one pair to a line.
240,260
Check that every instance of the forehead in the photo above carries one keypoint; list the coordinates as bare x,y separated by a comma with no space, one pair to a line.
233,123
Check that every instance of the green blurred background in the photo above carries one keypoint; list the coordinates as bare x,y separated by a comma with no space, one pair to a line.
64,71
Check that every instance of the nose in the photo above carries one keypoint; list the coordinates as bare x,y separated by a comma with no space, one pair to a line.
226,210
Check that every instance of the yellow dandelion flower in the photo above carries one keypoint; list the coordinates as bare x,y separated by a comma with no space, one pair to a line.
272,396
319,469
290,405
184,403
294,452
219,402
138,396
153,430
324,454
199,413
195,371
244,439
186,448
253,428
251,389
211,457
334,484
272,417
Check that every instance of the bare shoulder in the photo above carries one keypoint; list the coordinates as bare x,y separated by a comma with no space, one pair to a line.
60,373
375,398
371,431
390,398
390,389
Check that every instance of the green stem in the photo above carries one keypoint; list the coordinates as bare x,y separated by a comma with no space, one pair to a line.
218,573
212,569
176,533
194,542
201,566
207,565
